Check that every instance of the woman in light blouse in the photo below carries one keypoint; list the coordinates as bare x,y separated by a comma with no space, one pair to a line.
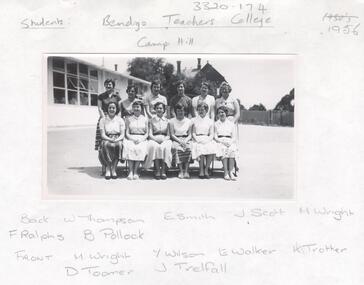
225,136
203,145
112,129
135,144
159,144
180,130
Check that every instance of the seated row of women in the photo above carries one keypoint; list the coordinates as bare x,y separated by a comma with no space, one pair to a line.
159,141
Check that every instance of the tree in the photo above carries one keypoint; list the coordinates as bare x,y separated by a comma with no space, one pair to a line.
286,102
256,107
147,68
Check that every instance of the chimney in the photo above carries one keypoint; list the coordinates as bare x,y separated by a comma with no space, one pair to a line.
116,67
178,67
199,64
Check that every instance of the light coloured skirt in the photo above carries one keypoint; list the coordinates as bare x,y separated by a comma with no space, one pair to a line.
200,148
158,151
133,151
226,152
179,154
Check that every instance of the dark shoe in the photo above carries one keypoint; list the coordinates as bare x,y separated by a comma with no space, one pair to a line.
163,177
107,177
157,176
201,176
114,176
207,176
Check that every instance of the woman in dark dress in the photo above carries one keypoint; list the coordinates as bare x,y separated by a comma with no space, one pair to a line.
102,102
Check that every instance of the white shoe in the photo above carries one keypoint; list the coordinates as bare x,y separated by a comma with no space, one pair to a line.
227,177
186,175
180,175
136,177
232,176
130,176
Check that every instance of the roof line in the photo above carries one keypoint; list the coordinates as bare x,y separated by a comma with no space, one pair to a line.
108,70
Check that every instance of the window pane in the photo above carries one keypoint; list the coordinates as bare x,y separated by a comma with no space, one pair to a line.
59,96
94,86
58,79
72,82
94,73
72,68
84,98
72,98
83,84
93,99
83,69
58,63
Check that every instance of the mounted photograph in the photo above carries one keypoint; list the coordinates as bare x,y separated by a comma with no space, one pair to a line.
169,127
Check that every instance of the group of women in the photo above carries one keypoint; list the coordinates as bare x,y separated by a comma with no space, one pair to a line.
200,129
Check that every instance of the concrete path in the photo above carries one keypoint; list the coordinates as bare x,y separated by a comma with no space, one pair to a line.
266,171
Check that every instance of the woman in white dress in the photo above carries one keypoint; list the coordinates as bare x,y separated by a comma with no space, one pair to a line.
231,103
112,129
225,137
135,144
203,146
159,144
180,130
206,98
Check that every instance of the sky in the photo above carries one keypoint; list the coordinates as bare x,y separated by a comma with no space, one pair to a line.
254,78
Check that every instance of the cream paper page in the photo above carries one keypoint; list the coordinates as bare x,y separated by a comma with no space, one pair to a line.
66,224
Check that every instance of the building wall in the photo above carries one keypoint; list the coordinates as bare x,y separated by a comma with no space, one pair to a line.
66,114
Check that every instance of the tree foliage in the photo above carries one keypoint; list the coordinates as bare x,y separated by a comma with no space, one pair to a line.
286,103
259,107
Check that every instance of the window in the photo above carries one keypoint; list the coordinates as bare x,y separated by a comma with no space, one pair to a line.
83,98
74,83
93,99
83,69
59,96
72,97
72,68
58,79
58,64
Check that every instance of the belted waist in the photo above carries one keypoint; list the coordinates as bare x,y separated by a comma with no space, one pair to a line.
221,136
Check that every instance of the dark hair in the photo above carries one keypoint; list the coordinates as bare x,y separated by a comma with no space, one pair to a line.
223,108
116,104
178,107
205,83
107,81
204,105
179,82
131,87
137,102
159,103
155,82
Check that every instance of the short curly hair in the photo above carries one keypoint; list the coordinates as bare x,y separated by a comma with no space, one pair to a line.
116,105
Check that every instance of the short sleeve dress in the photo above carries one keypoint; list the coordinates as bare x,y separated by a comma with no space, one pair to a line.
159,128
225,132
105,99
181,131
113,128
137,127
202,144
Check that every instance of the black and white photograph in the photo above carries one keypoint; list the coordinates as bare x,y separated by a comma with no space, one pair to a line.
169,126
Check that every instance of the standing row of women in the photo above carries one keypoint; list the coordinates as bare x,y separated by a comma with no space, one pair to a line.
148,138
